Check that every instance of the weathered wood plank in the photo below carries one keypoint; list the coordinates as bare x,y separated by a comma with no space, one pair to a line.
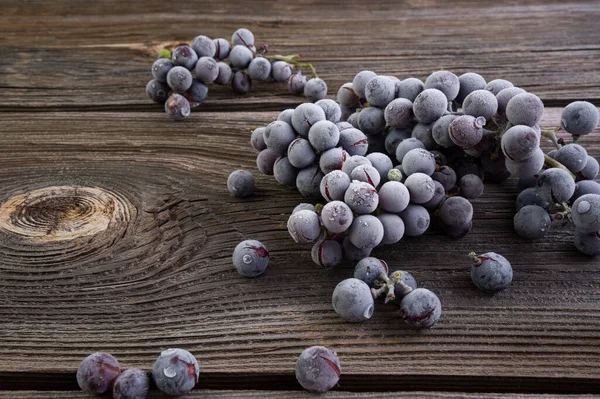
75,62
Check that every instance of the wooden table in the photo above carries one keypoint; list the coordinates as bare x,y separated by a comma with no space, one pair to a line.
116,229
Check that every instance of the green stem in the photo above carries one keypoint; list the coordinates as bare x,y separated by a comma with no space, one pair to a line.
291,59
551,134
553,163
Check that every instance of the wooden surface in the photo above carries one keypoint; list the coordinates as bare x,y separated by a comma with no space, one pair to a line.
116,227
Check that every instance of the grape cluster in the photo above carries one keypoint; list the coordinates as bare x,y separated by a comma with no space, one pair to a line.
180,78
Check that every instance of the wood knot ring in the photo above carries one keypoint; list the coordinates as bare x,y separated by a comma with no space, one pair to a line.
62,213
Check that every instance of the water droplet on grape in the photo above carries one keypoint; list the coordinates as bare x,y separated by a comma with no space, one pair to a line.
170,372
247,259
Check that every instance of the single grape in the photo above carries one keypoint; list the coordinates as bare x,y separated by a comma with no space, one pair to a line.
353,119
469,82
430,105
380,91
446,176
304,226
444,81
225,73
409,88
177,107
456,211
408,280
315,89
532,222
244,37
573,156
296,83
360,81
286,116
480,103
184,56
332,159
371,120
265,161
326,253
334,185
240,183
304,206
393,228
369,269
497,85
579,118
197,93
281,71
332,110
222,48
531,196
250,258
300,153
504,96
131,384
382,163
590,170
393,197
259,69
257,139
161,68
420,308
424,133
439,195
157,91
529,167
284,172
241,82
323,135
466,130
585,187
97,373
346,96
418,161
440,131
587,243
367,174
203,46
416,220
318,369
336,216
241,56
520,143
491,272
471,187
394,137
366,231
525,109
176,371
354,161
586,213
278,136
304,116
407,145
308,181
179,79
420,186
353,141
555,185
361,197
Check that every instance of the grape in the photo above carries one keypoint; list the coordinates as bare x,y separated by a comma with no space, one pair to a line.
327,253
360,81
241,83
520,143
525,109
241,56
278,136
265,161
430,105
343,125
444,81
446,176
203,46
296,83
347,97
285,173
353,141
333,186
555,185
161,68
420,308
469,82
222,48
131,384
225,73
393,228
336,216
352,162
259,69
439,195
586,213
353,119
531,196
240,183
382,163
471,187
303,206
332,159
418,161
352,253
480,103
409,88
587,243
532,222
250,258
197,93
529,167
304,116
367,174
421,187
179,79
286,116
369,269
440,132
393,197
318,369
300,153
323,135
380,91
371,120
491,272
366,231
466,130
332,110
207,69
590,170
177,107
308,181
424,133
416,220
573,156
456,212
352,300
315,89
304,227
97,373
184,56
579,118
405,146
399,113
362,198
242,36
497,85
157,91
281,71
504,97
257,139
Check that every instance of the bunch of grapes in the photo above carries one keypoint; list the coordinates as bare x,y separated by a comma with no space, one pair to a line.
180,79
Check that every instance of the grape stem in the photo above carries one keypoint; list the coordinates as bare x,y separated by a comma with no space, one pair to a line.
553,163
560,212
475,259
551,134
387,285
291,59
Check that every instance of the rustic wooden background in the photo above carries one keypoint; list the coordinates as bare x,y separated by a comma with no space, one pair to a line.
116,227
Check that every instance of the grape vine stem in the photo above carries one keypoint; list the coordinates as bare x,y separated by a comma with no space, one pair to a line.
292,59
551,134
553,163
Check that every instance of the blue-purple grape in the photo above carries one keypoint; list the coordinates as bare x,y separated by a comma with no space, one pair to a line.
336,216
587,243
393,228
304,226
380,91
131,384
416,220
585,213
360,81
430,105
161,68
305,116
250,258
176,371
353,141
529,167
265,161
371,120
225,74
393,197
573,156
471,187
323,135
332,110
240,183
179,79
369,269
420,186
420,308
315,89
222,48
579,118
532,222
497,85
466,130
259,69
97,373
469,82
520,143
531,196
446,176
318,369
361,197
334,184
184,56
157,91
525,109
555,185
352,252
300,153
308,181
418,161
197,93
278,136
440,131
491,272
241,82
409,88
296,83
480,103
444,81
590,170
284,172
177,107
257,139
326,253
240,57
244,37
366,231
352,162
281,71
504,96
